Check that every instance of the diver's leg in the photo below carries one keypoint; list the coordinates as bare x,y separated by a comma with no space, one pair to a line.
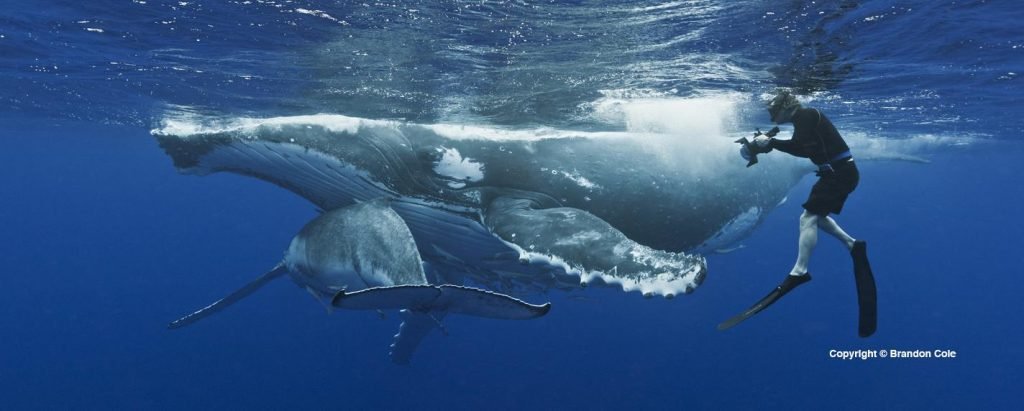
808,239
830,226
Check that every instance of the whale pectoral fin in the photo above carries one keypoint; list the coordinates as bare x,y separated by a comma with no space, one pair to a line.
453,299
232,298
415,327
591,248
387,298
424,306
482,303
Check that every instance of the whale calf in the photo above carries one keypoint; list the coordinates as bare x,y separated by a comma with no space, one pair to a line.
363,257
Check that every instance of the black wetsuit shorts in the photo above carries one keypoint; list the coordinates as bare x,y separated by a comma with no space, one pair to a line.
829,194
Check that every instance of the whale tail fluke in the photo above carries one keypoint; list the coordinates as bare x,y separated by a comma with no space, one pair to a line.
232,298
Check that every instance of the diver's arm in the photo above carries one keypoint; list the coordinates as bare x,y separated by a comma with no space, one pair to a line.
790,146
803,132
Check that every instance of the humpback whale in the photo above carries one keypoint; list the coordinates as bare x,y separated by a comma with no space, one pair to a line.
520,210
363,257
514,211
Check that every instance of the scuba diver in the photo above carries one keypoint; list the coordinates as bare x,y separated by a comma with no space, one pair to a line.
816,138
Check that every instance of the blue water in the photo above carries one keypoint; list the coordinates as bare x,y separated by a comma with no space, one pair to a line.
104,242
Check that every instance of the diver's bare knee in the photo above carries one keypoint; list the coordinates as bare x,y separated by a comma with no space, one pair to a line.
808,219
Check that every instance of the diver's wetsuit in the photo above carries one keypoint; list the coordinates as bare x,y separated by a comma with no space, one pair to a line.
816,138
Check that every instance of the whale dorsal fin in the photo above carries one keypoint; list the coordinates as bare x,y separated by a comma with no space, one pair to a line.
232,298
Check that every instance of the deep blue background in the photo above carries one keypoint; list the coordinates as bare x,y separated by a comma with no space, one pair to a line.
104,244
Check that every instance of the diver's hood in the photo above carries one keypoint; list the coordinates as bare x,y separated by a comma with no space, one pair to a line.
782,107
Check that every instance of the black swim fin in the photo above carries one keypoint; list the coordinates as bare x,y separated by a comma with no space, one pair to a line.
791,282
867,297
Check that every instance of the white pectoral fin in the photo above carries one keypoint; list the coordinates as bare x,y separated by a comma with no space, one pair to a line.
444,298
230,299
586,246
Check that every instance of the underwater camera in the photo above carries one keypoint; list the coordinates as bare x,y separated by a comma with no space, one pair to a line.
749,151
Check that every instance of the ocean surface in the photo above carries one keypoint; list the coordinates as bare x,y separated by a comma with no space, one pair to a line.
104,242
